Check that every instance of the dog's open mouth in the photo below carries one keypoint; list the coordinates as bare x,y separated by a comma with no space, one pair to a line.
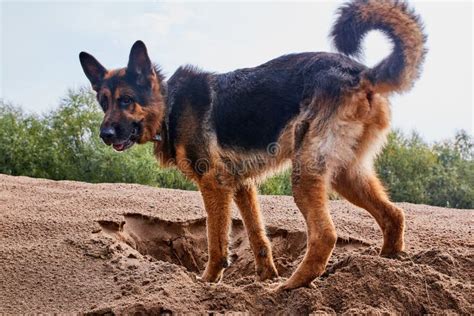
123,146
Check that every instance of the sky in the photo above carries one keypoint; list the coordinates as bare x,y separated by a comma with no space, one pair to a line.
40,43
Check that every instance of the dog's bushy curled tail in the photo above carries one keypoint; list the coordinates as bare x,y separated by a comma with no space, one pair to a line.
398,71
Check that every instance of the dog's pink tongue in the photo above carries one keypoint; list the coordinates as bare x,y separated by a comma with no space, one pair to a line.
119,147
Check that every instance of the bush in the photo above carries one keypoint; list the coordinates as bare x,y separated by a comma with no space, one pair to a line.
279,184
442,174
64,144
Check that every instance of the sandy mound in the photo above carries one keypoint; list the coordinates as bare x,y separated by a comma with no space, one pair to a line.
118,248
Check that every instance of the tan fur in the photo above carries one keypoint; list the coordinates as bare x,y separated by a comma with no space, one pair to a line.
217,201
407,30
246,199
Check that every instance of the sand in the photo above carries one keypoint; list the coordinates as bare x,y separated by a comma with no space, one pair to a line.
122,248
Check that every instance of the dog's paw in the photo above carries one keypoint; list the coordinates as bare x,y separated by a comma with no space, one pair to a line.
211,276
267,273
288,285
400,255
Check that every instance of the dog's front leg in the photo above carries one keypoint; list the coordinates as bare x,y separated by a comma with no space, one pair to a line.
217,201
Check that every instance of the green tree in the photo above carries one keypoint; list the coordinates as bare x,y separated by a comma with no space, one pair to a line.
442,174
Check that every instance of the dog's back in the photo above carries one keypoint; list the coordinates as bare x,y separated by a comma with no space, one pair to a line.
253,105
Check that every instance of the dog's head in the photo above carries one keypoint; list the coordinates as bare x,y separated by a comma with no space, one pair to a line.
130,97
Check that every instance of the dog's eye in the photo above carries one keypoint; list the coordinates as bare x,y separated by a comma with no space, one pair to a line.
125,100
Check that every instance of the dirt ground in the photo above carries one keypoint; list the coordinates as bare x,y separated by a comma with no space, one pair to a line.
130,249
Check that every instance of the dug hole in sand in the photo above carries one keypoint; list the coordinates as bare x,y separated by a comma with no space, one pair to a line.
122,248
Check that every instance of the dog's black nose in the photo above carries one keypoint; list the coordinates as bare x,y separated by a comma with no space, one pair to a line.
107,134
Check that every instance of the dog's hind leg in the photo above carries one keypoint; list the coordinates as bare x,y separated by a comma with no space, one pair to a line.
246,199
310,195
217,201
362,188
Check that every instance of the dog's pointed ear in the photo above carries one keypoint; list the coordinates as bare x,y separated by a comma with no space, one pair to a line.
139,64
94,71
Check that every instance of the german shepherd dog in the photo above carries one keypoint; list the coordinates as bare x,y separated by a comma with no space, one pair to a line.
324,114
